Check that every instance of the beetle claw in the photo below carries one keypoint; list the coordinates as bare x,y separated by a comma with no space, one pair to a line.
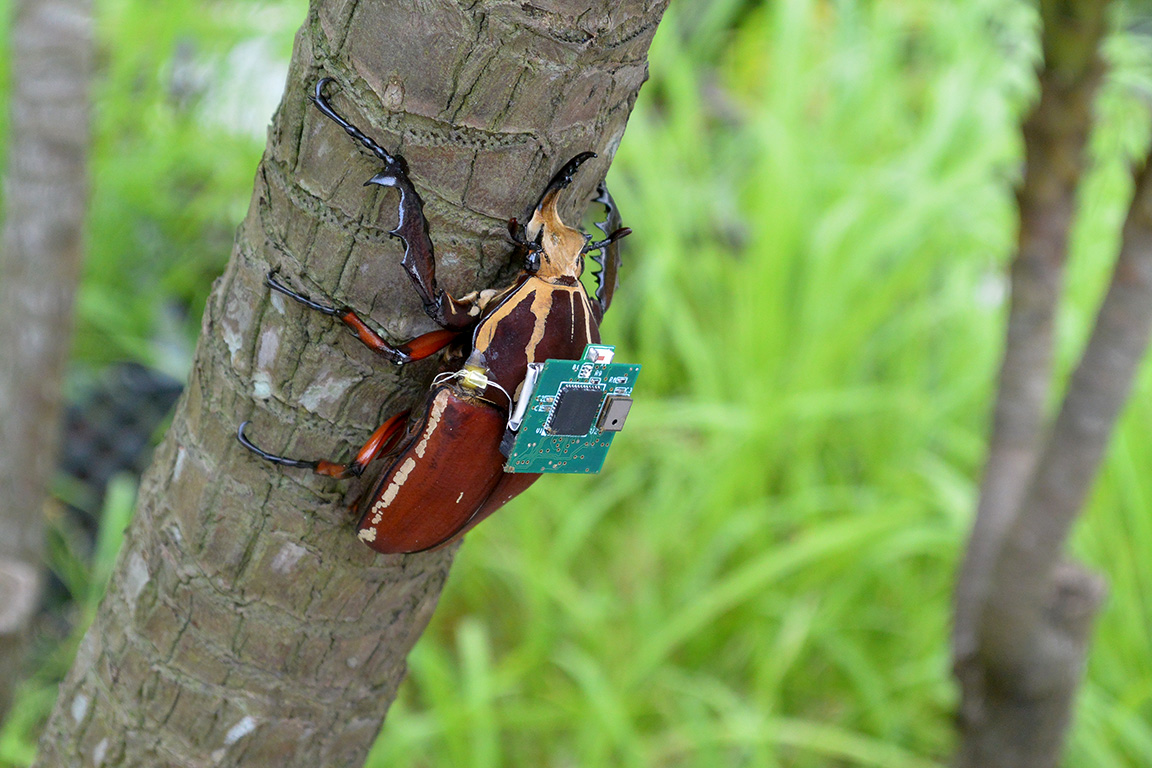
321,102
304,299
244,441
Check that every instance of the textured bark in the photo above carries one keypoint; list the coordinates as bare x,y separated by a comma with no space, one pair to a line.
45,199
1023,616
1055,135
245,624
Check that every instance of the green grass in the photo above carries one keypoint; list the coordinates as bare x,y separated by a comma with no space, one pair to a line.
761,577
821,194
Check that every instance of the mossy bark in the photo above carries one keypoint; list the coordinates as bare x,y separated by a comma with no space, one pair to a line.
245,624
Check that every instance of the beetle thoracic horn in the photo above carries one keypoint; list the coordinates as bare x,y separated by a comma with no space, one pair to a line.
558,182
564,176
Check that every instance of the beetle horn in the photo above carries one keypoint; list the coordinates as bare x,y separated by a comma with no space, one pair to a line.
561,180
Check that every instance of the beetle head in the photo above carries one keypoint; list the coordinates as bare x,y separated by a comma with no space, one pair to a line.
562,245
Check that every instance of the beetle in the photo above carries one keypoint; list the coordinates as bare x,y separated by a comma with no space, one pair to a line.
445,472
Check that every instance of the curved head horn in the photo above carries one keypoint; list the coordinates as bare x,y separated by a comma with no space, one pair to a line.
558,182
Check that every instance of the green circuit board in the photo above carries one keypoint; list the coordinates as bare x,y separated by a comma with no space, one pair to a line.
573,412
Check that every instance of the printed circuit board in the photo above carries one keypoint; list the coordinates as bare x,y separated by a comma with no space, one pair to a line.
568,412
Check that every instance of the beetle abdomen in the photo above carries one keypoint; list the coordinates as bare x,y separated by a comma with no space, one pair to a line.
443,473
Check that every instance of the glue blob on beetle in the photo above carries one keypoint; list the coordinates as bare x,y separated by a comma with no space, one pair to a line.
444,471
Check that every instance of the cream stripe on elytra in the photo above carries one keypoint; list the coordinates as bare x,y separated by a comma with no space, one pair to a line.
541,308
438,407
401,476
541,295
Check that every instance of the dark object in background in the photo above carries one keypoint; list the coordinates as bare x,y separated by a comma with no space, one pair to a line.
109,430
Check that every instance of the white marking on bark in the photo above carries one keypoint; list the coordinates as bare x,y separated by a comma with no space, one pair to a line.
136,577
231,338
393,95
367,534
100,752
269,346
460,497
79,707
277,301
286,559
246,725
235,322
265,355
178,470
261,385
325,392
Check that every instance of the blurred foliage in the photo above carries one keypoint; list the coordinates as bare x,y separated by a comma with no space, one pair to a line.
821,193
181,98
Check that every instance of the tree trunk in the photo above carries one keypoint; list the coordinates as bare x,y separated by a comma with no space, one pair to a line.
245,624
45,200
1024,616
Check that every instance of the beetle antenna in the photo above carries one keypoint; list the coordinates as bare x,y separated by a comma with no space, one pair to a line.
321,102
617,235
516,232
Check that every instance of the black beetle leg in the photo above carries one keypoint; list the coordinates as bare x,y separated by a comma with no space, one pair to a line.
608,256
304,299
412,228
282,461
321,102
417,349
532,250
382,440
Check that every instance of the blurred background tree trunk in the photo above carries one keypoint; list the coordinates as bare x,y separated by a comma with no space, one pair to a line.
244,623
1024,615
45,200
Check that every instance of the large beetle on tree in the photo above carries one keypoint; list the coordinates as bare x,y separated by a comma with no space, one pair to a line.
445,472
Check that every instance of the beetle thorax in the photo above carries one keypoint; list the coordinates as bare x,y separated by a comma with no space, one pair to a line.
563,246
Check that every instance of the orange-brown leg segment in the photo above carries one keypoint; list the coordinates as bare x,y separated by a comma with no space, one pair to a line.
384,439
412,228
416,349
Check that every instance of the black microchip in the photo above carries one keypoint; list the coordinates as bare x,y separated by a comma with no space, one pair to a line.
575,411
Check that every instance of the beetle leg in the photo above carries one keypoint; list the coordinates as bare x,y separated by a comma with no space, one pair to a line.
416,349
532,250
609,252
382,440
412,228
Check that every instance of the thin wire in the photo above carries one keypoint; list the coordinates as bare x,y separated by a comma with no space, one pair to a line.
440,378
